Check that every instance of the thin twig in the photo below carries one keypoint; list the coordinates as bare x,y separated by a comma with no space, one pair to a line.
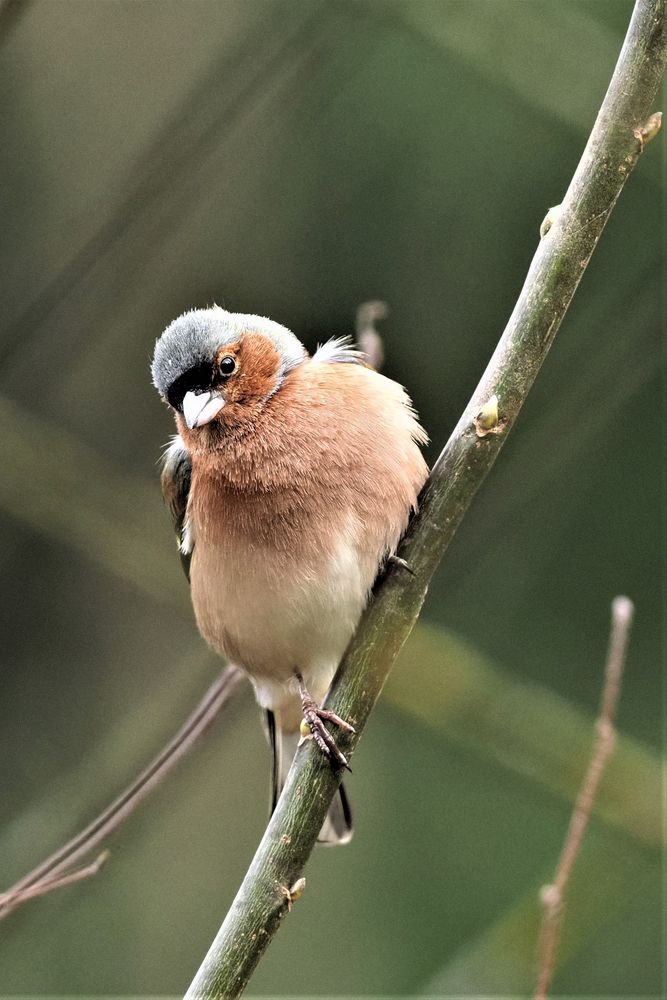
17,896
368,339
55,871
555,272
553,895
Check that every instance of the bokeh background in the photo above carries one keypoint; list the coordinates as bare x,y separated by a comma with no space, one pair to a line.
295,159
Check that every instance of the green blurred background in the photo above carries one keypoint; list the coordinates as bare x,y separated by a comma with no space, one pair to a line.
294,159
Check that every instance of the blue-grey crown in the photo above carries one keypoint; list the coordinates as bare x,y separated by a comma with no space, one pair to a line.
193,339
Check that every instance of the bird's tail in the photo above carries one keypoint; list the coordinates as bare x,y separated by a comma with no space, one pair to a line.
337,827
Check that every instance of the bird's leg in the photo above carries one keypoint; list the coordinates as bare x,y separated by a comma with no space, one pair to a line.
314,718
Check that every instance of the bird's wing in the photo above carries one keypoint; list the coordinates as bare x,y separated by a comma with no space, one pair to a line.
175,481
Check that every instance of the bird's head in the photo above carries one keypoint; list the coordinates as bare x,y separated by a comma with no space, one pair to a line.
218,368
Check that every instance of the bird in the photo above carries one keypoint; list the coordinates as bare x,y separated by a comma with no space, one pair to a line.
290,480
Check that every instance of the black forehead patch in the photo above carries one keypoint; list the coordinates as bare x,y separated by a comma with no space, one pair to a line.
190,342
199,377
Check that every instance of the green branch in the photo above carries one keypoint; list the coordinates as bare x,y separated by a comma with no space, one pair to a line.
621,131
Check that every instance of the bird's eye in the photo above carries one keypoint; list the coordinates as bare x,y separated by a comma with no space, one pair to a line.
226,366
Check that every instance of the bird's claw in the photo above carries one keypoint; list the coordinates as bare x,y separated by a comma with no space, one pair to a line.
314,719
395,560
313,727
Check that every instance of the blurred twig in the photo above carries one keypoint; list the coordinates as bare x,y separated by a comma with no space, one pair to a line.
368,339
554,275
58,869
14,897
552,895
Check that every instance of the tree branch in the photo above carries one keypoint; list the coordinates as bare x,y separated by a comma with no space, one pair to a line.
552,896
555,272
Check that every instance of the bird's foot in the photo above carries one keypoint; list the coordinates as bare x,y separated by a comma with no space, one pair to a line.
312,726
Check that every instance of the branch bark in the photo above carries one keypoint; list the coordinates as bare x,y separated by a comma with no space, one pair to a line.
614,146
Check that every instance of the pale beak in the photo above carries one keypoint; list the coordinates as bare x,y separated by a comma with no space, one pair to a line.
201,407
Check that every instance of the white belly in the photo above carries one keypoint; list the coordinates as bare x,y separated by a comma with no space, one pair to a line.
273,618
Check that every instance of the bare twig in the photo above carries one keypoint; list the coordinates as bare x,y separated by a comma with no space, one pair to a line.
368,339
17,896
56,871
553,895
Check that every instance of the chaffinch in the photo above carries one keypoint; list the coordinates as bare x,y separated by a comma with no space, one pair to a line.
290,482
